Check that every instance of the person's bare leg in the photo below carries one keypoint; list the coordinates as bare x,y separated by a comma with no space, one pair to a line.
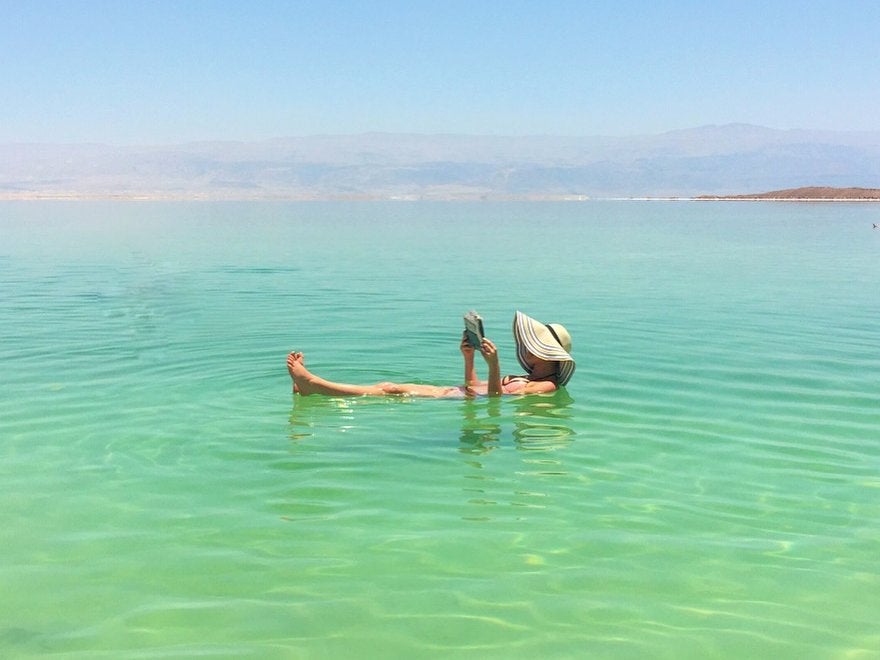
306,383
417,389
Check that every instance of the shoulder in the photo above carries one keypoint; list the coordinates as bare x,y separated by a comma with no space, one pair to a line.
514,384
539,387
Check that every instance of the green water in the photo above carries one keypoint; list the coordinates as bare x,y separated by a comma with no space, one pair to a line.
708,486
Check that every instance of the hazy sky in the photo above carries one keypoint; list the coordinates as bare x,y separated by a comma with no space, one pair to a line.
151,71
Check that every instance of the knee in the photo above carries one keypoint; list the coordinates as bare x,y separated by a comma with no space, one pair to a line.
390,388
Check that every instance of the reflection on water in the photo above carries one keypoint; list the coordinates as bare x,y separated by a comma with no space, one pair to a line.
505,488
533,423
316,413
539,423
481,426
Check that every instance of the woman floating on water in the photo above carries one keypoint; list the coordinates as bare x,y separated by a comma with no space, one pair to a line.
542,350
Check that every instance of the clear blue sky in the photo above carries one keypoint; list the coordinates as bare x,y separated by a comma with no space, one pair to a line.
156,71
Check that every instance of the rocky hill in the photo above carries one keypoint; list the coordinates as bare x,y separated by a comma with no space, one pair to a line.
811,193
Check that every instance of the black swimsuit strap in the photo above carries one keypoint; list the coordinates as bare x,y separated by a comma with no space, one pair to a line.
510,377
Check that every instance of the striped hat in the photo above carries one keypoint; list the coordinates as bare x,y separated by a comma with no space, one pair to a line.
548,342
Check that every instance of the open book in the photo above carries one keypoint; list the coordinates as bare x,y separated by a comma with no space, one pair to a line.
473,327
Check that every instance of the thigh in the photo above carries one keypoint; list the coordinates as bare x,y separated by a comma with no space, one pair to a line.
415,389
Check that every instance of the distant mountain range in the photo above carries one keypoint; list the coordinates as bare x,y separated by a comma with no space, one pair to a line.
711,160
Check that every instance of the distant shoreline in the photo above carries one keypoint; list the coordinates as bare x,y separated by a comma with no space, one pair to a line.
809,194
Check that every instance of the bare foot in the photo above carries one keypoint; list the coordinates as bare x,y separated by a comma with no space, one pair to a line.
301,376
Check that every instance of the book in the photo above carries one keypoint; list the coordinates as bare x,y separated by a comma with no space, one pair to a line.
473,327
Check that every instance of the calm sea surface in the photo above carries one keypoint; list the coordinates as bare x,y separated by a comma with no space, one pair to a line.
707,487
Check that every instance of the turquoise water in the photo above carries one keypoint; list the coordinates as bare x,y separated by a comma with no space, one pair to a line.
707,487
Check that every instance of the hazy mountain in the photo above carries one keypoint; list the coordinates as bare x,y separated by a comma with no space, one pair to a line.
717,160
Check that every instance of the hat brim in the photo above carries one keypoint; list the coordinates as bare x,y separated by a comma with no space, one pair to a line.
534,337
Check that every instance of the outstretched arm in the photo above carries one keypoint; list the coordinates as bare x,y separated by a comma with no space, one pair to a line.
470,372
490,354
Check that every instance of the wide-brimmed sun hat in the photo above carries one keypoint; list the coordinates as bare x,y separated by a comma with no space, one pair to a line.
548,342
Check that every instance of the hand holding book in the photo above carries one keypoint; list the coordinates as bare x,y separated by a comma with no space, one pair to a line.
473,328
